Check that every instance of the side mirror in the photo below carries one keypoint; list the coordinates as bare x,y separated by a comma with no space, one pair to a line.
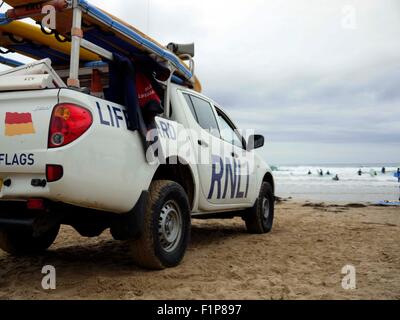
255,142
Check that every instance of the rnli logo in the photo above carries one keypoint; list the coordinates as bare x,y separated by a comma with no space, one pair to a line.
18,124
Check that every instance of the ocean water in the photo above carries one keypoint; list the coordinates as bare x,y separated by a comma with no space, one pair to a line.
294,181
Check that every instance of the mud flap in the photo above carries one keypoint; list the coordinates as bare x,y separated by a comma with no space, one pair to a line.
130,226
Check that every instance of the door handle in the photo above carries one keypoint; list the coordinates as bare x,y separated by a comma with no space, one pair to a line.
203,143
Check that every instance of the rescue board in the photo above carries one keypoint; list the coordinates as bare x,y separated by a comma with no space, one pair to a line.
115,35
28,39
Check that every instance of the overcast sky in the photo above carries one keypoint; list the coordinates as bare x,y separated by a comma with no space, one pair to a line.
319,78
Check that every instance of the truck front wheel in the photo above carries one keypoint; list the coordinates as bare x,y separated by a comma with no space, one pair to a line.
166,229
23,242
260,218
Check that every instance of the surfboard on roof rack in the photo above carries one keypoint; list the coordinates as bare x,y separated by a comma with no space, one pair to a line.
29,40
103,34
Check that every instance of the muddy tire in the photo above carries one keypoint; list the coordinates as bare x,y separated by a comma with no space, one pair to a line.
260,218
24,243
166,228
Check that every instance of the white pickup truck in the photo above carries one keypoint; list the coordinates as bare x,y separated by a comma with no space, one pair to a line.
68,158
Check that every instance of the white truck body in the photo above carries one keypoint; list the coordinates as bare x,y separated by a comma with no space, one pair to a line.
106,168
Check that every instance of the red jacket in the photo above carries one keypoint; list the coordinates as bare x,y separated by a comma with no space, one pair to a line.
145,91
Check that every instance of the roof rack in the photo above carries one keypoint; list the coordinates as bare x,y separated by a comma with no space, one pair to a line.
103,34
82,13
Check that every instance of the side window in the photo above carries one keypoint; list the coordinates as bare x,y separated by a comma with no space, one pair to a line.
205,115
190,104
228,132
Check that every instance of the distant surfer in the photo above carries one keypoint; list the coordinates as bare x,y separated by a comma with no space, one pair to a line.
383,170
328,173
398,177
360,172
309,173
321,173
336,178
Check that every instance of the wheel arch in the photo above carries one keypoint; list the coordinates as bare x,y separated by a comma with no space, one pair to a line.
176,170
270,179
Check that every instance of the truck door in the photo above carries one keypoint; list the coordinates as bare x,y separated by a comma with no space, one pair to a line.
222,166
207,140
239,178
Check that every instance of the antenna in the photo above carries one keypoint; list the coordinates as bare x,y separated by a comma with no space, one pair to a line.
148,16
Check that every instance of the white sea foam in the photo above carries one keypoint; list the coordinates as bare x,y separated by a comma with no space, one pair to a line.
295,182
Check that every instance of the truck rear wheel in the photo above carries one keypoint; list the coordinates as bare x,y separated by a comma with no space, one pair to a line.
166,230
260,218
23,242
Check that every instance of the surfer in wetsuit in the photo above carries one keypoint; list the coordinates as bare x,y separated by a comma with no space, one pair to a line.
309,173
398,177
328,173
321,173
360,172
383,170
336,178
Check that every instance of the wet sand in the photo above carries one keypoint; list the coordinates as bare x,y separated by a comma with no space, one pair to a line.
301,259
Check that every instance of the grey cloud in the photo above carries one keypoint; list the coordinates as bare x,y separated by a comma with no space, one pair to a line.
290,70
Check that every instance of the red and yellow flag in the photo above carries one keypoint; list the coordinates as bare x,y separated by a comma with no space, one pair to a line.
18,124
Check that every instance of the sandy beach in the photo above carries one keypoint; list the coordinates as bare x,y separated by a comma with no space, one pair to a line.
301,259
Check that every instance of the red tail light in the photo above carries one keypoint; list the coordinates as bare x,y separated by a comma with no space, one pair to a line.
54,172
68,123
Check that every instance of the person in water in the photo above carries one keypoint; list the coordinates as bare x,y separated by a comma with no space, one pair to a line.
328,173
321,173
398,177
360,172
309,173
383,170
336,178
